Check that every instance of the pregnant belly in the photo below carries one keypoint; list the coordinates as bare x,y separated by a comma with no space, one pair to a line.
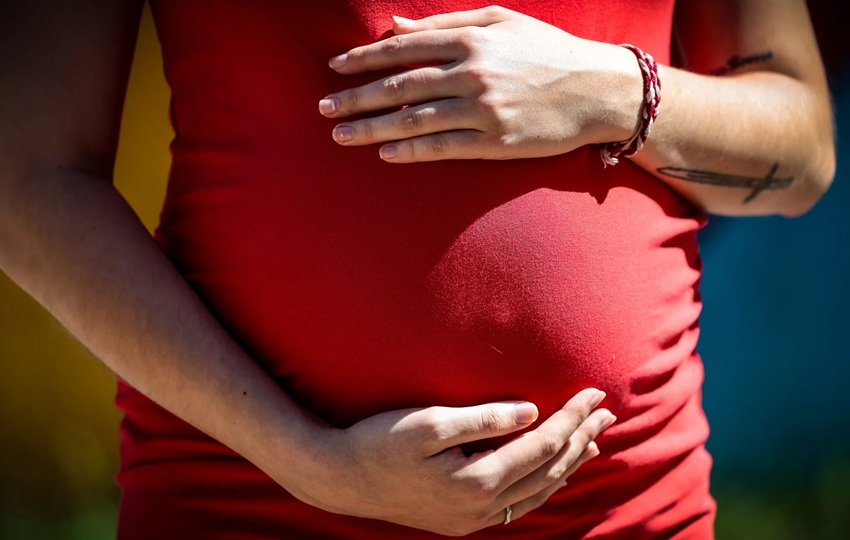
374,294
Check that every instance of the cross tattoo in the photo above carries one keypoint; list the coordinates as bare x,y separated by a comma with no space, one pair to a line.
756,183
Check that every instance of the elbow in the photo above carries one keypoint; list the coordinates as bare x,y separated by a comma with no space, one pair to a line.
811,190
815,181
815,148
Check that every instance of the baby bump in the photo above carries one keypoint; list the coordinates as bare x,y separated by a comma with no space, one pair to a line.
386,292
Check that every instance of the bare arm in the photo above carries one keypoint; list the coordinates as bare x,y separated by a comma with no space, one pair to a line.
71,241
748,128
755,140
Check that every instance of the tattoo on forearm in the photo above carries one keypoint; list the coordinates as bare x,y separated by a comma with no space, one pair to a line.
737,62
756,183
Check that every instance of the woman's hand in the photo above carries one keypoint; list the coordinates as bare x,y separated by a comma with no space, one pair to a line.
495,84
407,467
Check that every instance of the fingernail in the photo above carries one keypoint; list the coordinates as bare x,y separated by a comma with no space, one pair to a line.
403,21
388,152
597,399
328,105
343,133
608,421
338,61
525,413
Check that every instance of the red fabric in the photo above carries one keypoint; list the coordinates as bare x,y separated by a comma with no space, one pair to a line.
363,286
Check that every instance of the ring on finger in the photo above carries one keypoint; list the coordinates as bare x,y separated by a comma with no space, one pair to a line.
508,511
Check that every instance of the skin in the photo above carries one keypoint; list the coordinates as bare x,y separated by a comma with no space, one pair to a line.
70,240
502,85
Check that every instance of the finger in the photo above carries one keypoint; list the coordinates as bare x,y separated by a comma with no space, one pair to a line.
476,17
459,144
578,449
525,506
525,454
444,427
590,452
414,49
414,86
443,115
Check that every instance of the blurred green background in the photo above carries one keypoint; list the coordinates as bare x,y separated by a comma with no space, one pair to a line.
775,326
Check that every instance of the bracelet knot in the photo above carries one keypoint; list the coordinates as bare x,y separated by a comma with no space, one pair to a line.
611,152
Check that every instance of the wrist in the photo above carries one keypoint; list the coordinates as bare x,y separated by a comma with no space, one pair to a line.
620,95
290,444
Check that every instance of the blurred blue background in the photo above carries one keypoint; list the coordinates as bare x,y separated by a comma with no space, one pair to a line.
775,328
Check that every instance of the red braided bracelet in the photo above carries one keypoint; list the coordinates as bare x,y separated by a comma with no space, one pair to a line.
611,152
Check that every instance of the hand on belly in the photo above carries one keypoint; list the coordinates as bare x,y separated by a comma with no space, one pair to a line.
407,467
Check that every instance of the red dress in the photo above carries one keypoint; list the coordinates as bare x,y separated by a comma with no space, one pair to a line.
363,287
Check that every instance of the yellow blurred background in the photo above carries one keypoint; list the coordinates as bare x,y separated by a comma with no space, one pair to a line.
58,426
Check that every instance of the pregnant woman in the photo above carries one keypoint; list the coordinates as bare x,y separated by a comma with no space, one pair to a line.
347,323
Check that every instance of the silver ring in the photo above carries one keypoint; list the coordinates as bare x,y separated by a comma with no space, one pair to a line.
508,511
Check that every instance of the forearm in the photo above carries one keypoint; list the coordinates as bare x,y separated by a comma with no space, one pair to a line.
754,143
71,241
756,137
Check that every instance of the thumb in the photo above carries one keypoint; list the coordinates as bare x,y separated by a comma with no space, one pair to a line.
452,426
457,19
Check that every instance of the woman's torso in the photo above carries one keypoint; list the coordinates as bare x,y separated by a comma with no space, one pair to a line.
364,286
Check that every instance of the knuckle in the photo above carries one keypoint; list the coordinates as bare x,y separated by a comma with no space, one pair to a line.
586,410
491,421
366,129
437,146
488,107
584,404
556,472
392,45
356,55
430,424
587,435
474,486
481,487
410,120
471,38
350,99
550,444
603,421
575,418
477,78
475,72
393,87
438,435
430,431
